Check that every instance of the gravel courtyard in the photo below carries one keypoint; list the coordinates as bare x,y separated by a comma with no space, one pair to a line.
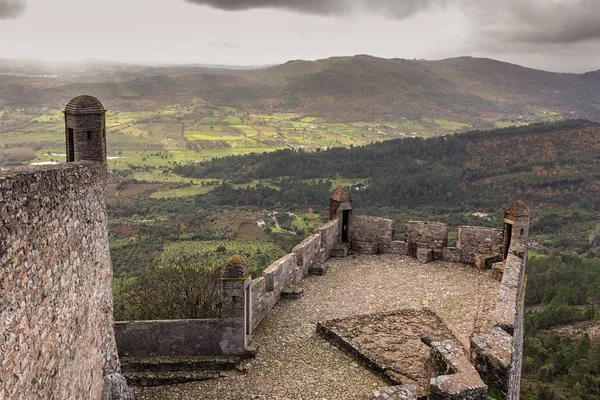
294,363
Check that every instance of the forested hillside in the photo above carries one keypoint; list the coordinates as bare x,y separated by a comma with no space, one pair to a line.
561,355
541,163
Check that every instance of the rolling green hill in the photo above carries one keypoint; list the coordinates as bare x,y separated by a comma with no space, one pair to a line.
479,92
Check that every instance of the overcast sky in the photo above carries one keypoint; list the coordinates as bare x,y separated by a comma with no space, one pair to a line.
556,35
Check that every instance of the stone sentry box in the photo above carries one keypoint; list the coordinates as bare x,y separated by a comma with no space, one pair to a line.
236,289
85,130
340,208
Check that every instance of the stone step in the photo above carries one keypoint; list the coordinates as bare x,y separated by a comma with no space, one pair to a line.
171,378
340,250
292,292
179,363
319,269
498,270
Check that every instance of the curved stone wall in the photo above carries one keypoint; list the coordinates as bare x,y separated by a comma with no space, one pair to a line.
56,325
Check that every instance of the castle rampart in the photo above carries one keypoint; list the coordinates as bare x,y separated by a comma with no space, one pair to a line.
496,355
56,319
56,324
57,337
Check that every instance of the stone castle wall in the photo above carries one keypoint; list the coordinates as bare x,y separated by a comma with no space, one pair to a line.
56,325
225,336
290,269
180,337
372,235
497,355
514,381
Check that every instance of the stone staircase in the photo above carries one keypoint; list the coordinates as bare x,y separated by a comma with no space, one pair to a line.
169,370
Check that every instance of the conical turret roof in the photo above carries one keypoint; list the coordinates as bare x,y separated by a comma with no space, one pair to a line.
342,194
518,208
84,105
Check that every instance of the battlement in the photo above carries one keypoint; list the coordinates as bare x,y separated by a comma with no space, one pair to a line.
473,291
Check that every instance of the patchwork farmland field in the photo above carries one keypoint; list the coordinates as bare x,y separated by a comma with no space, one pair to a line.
144,146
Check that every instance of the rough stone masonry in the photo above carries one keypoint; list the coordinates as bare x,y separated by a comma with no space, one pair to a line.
56,325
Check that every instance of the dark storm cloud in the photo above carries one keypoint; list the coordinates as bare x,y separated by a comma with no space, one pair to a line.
543,21
318,7
506,21
11,9
394,8
401,9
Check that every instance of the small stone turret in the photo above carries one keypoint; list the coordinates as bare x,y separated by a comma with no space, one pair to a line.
340,200
516,227
236,292
85,130
340,207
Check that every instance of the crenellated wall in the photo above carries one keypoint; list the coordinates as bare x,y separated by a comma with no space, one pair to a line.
427,241
426,235
225,336
371,235
290,269
497,355
56,325
473,240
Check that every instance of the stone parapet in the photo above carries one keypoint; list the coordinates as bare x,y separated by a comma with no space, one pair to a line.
372,235
510,290
329,238
306,254
425,235
492,355
180,337
472,240
280,274
452,375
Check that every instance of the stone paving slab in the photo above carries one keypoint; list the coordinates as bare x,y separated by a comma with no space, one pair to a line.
390,342
294,363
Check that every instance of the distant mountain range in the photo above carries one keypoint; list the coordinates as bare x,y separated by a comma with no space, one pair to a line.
464,89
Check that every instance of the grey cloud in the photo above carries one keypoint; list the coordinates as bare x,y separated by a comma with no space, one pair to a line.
541,21
398,9
502,21
319,7
11,9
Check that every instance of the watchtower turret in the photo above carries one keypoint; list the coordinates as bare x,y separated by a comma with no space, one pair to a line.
236,291
340,207
85,130
516,227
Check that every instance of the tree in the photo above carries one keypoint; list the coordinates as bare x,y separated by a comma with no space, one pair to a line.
175,289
